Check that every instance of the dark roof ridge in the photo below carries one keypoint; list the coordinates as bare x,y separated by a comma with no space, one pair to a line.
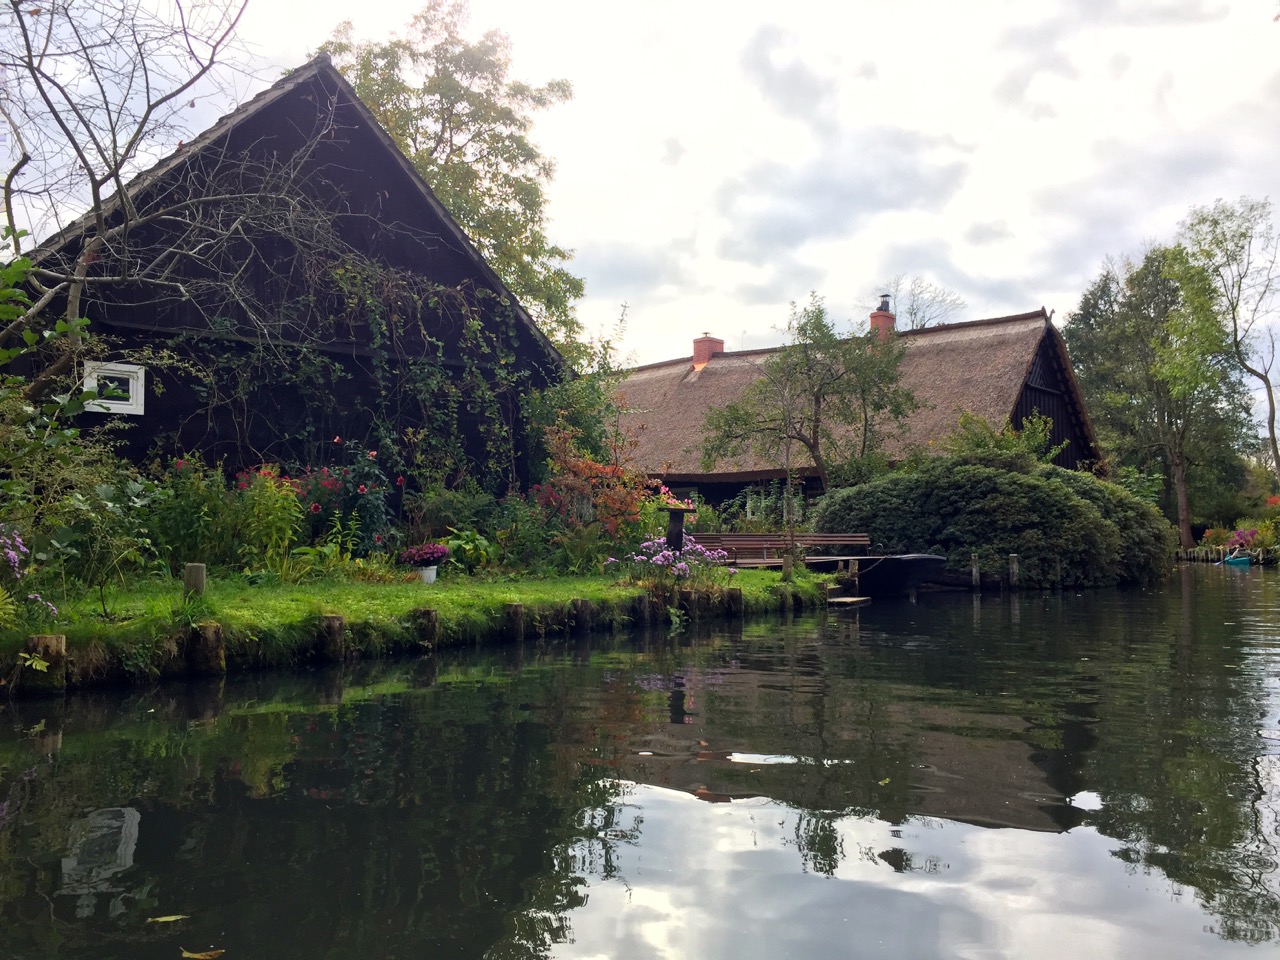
689,360
1040,314
958,325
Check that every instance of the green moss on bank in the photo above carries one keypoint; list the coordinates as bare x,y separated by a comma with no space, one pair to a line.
276,625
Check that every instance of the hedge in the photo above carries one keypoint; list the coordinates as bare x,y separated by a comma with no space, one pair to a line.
1060,523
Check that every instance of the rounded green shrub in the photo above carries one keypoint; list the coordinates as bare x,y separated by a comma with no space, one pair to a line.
1059,524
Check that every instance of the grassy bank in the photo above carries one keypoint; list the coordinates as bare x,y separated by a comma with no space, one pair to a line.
150,632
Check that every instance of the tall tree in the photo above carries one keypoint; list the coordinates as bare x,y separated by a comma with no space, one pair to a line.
1157,370
824,394
1240,248
451,106
919,303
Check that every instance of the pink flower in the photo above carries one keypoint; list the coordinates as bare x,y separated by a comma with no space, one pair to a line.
373,454
337,439
315,508
362,489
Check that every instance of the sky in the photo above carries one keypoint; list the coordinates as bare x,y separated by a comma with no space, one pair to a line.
719,161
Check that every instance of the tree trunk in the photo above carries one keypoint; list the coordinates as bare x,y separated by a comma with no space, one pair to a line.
1179,467
1262,377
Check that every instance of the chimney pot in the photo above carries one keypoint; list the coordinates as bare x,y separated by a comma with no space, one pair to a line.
883,321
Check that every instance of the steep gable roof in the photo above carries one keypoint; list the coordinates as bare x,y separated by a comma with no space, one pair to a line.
319,77
980,366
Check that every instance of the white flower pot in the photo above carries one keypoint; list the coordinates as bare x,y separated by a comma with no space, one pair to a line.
428,574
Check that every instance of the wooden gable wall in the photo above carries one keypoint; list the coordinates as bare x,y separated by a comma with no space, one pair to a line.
1049,390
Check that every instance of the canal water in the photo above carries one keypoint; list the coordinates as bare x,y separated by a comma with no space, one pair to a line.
1044,775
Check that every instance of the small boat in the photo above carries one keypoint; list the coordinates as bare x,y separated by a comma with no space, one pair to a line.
896,573
1243,560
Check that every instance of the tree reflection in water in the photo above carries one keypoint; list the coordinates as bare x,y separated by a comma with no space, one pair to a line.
476,805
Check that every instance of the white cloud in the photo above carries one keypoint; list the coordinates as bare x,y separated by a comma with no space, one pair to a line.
712,168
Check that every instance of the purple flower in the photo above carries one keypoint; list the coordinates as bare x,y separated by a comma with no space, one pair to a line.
424,555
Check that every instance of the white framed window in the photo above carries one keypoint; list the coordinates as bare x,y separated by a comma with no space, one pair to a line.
126,381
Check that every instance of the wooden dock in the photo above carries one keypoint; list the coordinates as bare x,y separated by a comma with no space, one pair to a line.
847,601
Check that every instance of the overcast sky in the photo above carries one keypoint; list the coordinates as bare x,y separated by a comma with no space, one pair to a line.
720,160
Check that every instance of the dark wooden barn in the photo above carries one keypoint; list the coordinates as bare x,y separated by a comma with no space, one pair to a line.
1000,369
291,279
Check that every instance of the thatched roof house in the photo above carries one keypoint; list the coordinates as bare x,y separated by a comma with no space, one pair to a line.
314,285
1004,368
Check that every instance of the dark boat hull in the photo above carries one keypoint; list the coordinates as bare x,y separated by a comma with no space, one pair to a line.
898,573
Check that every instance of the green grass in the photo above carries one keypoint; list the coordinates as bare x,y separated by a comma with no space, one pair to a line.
266,625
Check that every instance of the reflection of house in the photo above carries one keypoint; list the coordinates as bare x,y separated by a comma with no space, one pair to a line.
938,760
325,291
1001,369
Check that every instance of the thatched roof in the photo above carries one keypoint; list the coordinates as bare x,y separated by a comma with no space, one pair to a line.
979,366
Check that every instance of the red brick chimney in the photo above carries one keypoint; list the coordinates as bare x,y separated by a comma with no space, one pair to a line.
883,320
703,349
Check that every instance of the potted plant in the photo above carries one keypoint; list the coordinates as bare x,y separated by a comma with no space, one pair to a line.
424,557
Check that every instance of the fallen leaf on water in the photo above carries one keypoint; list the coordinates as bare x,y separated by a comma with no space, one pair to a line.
884,782
176,916
207,955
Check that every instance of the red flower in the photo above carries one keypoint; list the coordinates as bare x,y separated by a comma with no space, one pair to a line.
377,538
179,464
315,508
399,481
362,489
337,439
373,454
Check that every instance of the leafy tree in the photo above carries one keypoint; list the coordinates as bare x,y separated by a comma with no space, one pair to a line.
825,396
975,440
1237,244
1157,371
450,105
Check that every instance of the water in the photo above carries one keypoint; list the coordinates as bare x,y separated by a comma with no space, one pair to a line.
1049,776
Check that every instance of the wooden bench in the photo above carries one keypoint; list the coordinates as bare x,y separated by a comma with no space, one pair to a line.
768,549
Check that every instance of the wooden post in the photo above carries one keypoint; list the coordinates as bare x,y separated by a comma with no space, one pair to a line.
333,638
514,625
193,575
787,563
1013,571
582,612
734,606
428,623
52,681
206,653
